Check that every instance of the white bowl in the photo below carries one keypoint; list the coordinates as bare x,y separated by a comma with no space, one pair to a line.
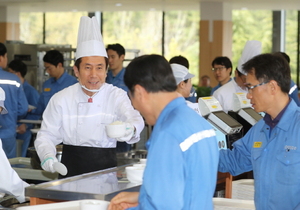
135,174
115,131
139,165
143,161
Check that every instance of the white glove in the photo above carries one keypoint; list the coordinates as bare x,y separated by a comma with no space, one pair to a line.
130,131
48,162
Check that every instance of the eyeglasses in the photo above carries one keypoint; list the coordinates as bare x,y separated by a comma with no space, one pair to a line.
219,68
254,86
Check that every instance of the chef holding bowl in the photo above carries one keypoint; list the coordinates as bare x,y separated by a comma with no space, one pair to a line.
77,115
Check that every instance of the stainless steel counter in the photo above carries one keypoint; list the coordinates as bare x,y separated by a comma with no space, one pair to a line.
101,185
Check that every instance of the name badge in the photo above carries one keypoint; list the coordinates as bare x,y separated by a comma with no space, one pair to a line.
257,144
47,89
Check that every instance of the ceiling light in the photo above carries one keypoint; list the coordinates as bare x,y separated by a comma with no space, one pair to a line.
118,4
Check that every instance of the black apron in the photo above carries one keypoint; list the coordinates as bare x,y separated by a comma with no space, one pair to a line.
79,159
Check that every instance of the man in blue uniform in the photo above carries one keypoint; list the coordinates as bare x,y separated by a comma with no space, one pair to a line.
271,147
115,76
60,79
182,160
15,102
116,71
19,68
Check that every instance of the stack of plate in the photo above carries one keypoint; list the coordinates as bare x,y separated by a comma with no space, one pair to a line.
243,189
232,204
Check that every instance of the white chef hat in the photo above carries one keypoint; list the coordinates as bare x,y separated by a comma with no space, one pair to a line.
89,40
251,49
2,99
180,73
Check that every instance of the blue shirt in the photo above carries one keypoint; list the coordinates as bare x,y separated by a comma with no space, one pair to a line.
193,97
294,92
50,87
274,158
117,80
15,103
32,97
182,161
218,86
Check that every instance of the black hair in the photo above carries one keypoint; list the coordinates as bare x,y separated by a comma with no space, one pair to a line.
78,61
18,66
3,49
224,61
285,56
153,72
116,47
270,67
54,57
180,60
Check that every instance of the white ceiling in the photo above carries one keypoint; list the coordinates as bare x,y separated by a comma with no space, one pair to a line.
110,5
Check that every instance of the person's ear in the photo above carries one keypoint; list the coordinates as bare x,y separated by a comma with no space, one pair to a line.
274,86
181,84
140,93
76,71
122,57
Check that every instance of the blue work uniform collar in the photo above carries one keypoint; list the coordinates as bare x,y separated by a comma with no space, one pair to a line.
120,75
272,123
59,80
165,113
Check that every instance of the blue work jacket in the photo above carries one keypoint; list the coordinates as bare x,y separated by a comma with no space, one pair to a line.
15,103
182,161
274,158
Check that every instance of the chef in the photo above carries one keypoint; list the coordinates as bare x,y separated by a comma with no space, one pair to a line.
10,182
77,115
237,85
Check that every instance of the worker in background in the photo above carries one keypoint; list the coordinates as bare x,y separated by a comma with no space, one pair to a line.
77,115
116,71
222,68
271,147
59,79
293,87
19,68
10,182
115,76
225,93
16,104
183,79
205,81
182,158
184,62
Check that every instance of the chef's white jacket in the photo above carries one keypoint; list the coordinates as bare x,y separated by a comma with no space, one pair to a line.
10,182
225,94
70,119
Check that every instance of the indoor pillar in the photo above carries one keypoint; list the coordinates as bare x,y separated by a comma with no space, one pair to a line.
9,24
215,35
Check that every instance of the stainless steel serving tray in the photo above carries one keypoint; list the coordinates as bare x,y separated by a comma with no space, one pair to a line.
101,185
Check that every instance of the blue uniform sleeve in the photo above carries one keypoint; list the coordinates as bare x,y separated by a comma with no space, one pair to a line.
294,94
237,160
22,103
